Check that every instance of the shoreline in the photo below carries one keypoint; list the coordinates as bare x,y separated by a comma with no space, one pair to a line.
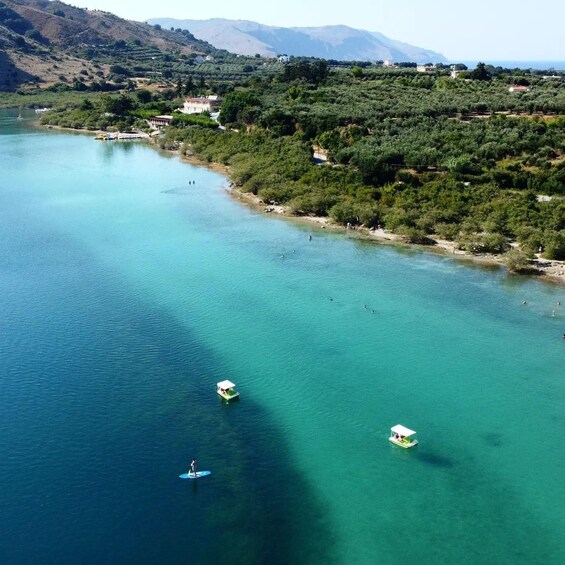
548,270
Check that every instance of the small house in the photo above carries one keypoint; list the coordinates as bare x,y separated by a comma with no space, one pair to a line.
158,122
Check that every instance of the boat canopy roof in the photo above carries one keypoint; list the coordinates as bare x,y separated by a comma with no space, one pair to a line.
225,384
400,429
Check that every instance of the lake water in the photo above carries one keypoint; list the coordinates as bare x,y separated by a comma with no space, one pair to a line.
130,283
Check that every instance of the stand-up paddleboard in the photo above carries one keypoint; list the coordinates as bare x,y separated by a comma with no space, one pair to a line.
197,476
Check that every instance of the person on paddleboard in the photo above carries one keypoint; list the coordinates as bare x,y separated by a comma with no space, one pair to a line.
192,470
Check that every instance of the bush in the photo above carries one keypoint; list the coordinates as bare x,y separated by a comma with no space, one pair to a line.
529,238
518,262
447,231
554,245
484,243
202,120
279,192
345,212
35,35
415,235
408,178
398,217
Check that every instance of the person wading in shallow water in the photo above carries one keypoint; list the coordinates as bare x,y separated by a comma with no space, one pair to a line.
192,470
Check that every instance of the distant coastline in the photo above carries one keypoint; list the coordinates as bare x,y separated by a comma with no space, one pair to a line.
537,65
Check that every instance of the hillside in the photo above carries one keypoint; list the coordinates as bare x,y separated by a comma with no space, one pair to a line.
40,41
339,42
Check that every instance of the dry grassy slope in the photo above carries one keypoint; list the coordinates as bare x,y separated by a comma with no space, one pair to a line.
38,66
42,70
78,27
81,26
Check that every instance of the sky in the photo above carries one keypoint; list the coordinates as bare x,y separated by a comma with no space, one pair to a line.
486,30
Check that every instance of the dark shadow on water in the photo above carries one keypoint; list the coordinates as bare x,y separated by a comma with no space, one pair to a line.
120,397
433,459
493,439
181,191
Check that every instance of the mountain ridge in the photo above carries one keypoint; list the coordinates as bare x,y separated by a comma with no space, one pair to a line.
339,42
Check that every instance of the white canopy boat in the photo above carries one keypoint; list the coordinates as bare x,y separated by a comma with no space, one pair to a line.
226,389
404,437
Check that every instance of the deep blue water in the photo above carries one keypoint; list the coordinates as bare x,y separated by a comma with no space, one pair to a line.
127,293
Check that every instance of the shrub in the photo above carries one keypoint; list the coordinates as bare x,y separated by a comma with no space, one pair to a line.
554,245
398,217
518,262
447,231
415,235
317,204
35,35
484,243
345,212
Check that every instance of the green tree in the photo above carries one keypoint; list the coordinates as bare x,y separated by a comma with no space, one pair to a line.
189,85
357,71
518,262
480,73
120,106
554,245
234,105
144,96
179,87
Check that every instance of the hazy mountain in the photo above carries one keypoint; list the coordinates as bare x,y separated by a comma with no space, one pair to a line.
328,42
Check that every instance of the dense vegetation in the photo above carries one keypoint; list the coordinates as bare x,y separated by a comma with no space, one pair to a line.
423,155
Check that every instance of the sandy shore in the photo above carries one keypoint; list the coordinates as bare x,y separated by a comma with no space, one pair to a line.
552,271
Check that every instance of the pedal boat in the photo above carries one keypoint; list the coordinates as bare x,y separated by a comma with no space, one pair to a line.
226,389
403,437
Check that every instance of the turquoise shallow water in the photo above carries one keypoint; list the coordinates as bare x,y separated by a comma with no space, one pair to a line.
127,293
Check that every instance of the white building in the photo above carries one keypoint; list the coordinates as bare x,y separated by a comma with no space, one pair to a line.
199,105
157,122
